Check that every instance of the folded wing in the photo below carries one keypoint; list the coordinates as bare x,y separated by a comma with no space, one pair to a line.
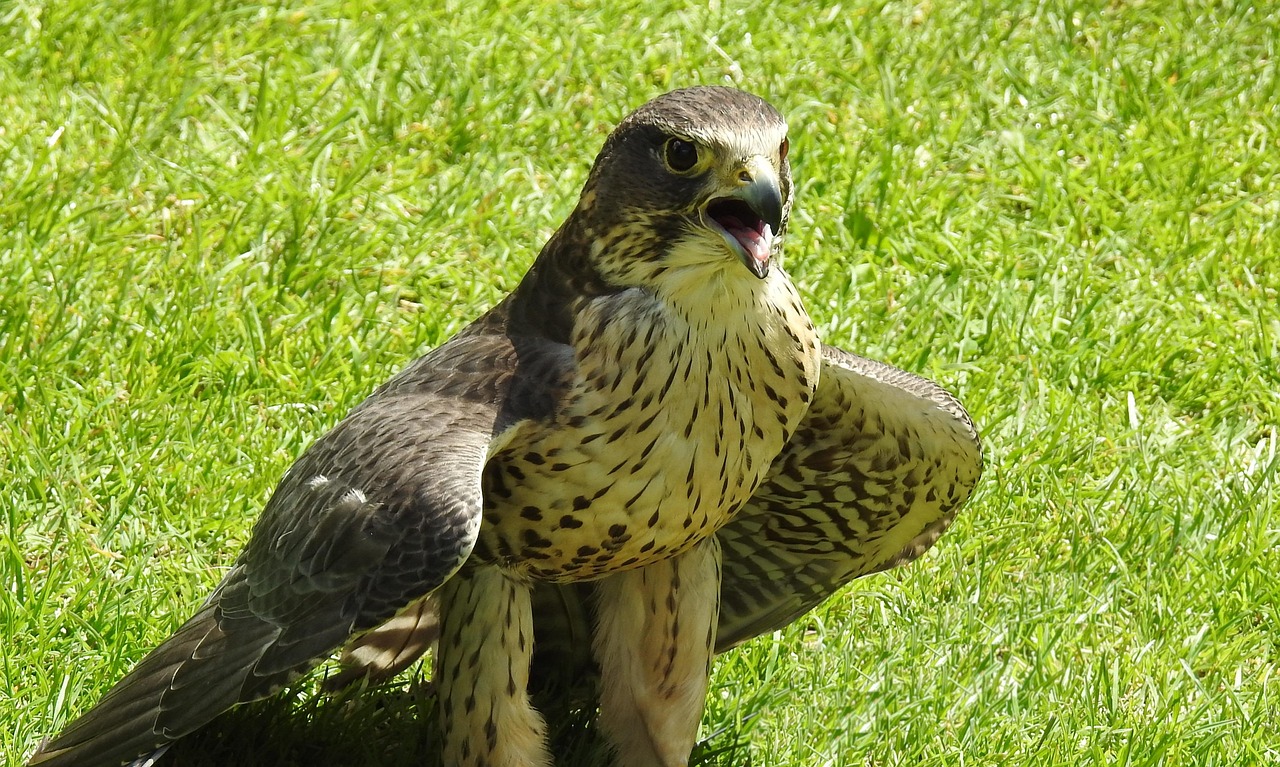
376,514
875,474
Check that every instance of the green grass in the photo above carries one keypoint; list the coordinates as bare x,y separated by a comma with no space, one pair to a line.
221,225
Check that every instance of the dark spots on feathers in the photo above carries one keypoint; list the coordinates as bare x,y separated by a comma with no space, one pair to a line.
773,362
646,423
534,540
671,377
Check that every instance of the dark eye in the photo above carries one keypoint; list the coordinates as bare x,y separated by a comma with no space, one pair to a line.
783,149
680,155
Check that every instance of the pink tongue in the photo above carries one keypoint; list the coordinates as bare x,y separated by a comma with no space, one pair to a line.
754,242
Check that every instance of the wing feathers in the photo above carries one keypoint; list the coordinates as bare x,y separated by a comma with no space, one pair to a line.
872,477
376,514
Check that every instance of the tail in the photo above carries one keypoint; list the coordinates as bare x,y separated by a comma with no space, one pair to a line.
199,672
385,651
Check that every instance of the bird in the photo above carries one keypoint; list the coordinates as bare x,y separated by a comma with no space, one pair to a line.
643,453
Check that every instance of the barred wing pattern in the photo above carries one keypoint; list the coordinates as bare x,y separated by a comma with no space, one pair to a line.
872,478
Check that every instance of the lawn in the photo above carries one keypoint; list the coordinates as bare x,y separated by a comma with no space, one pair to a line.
222,224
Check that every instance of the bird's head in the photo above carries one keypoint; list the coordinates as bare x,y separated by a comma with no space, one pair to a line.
695,181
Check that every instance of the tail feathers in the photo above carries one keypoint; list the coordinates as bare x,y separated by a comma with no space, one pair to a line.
150,759
183,684
295,649
390,648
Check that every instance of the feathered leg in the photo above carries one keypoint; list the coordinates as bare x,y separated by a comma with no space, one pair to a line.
482,673
654,640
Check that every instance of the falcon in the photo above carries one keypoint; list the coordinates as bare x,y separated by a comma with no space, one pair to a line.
644,450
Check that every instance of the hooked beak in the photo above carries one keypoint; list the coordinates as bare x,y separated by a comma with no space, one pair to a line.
750,215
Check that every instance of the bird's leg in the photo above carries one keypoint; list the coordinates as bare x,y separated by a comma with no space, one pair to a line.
482,673
654,640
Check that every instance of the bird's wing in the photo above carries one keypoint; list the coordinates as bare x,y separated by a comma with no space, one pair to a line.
377,513
874,475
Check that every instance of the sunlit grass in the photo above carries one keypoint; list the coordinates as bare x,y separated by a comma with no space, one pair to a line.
222,224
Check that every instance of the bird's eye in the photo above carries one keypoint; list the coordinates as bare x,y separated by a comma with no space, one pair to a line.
783,149
680,155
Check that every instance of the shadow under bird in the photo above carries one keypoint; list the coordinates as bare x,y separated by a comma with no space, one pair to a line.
640,457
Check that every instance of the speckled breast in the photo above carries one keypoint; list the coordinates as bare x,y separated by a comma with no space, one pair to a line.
672,425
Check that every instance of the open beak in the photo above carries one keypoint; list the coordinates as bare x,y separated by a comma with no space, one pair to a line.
750,215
